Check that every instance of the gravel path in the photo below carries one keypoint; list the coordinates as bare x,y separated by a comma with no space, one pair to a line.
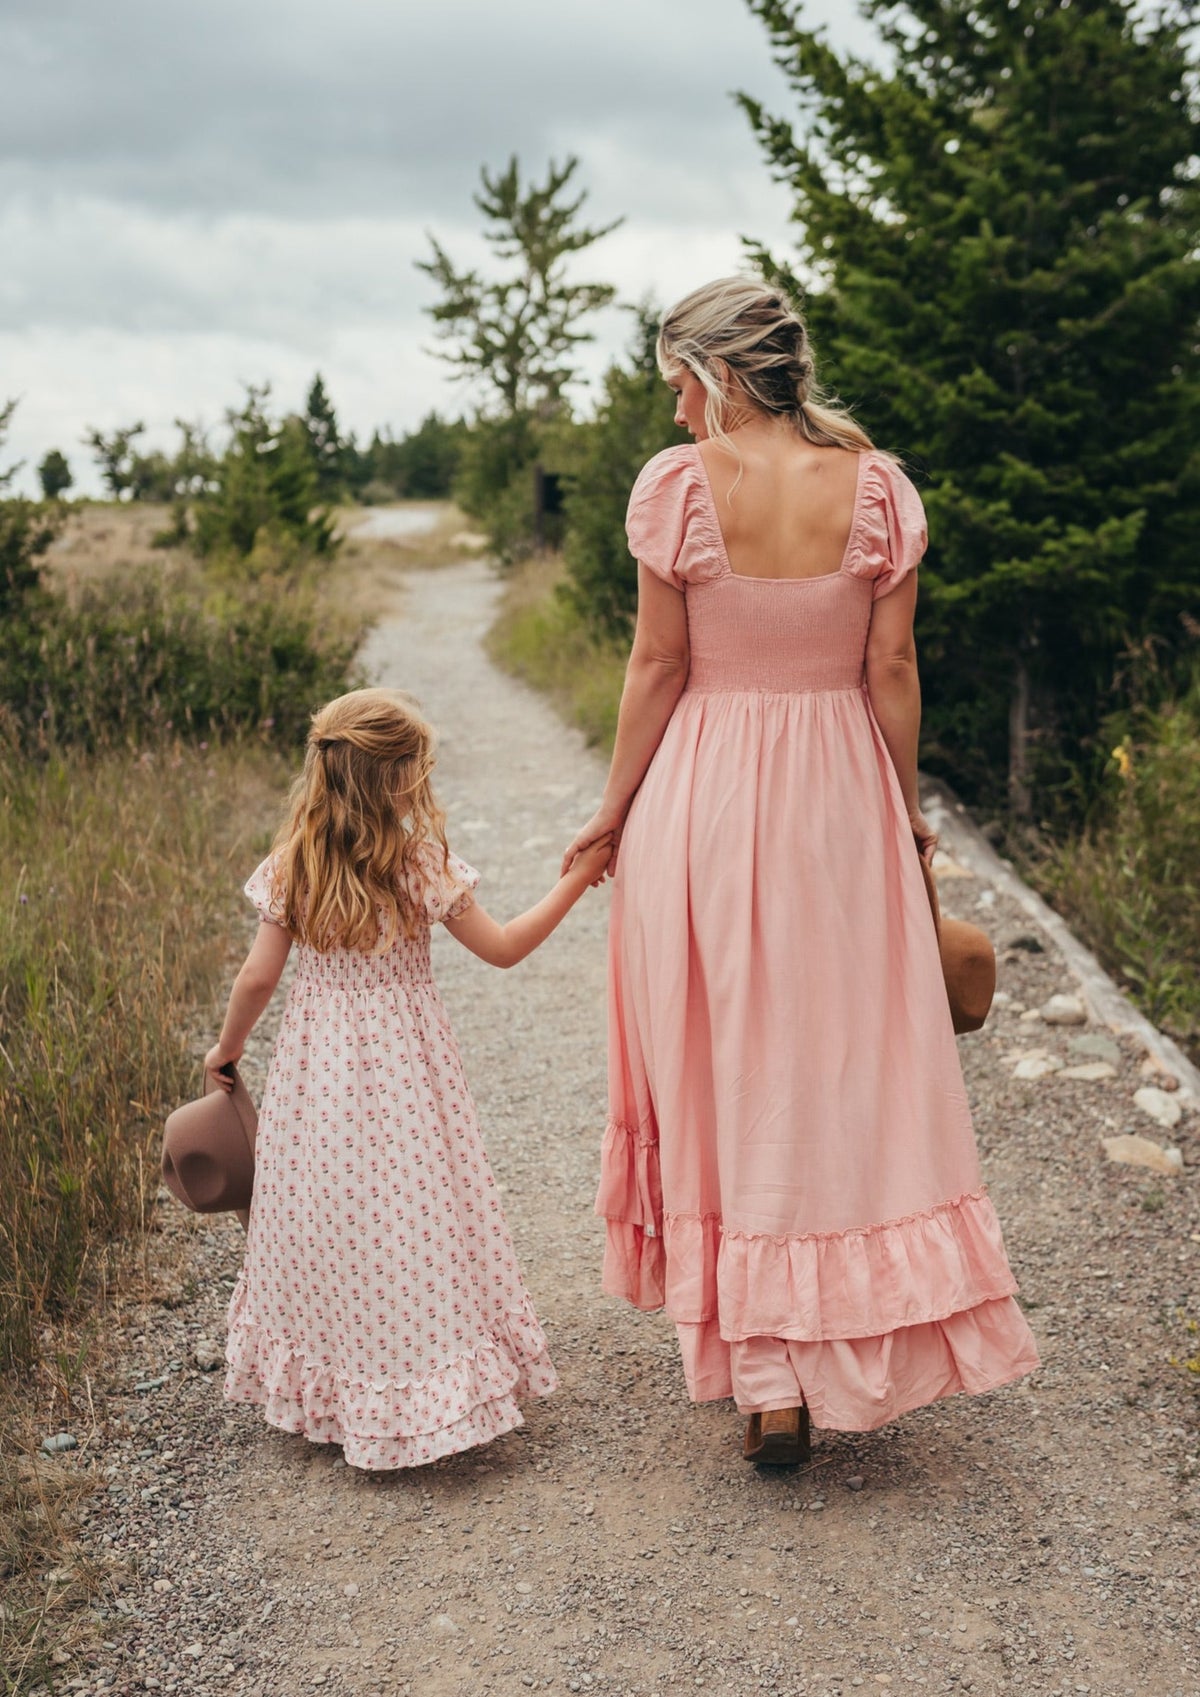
1041,1540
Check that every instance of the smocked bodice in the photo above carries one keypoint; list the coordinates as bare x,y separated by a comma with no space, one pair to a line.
354,972
778,635
773,635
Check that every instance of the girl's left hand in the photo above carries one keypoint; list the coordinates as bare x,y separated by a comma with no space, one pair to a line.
217,1057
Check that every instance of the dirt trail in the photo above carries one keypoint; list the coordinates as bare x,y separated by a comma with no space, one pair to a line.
1040,1540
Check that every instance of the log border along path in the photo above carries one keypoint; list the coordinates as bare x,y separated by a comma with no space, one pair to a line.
1040,1540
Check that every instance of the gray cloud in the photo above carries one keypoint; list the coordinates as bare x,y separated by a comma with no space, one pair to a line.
195,194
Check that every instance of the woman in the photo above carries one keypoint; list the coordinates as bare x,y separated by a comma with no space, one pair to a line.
789,1164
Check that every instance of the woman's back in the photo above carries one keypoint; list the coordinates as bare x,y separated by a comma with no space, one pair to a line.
787,509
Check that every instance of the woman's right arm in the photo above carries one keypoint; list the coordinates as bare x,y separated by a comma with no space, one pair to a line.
895,694
654,680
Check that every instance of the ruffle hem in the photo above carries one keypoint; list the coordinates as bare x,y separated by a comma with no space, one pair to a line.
394,1424
878,1319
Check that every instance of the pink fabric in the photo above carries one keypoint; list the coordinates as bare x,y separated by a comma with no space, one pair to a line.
380,1306
790,1153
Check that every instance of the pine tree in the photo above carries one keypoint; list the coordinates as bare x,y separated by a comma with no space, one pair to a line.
634,420
27,528
998,238
518,334
324,440
264,488
54,474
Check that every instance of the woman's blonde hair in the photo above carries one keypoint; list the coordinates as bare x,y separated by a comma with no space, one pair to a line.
347,860
763,340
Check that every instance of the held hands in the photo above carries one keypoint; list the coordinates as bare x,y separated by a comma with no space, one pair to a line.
217,1057
590,864
603,827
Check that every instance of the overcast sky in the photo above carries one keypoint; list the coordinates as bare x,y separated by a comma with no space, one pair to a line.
196,196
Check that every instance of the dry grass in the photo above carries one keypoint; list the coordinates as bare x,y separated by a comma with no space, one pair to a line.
118,874
100,538
540,637
122,876
47,1581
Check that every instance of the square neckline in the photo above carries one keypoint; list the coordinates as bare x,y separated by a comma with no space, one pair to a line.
818,577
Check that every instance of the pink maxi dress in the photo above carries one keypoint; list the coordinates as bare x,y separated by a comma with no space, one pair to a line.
380,1306
789,1165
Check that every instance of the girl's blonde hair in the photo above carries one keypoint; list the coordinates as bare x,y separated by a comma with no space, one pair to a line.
763,340
347,859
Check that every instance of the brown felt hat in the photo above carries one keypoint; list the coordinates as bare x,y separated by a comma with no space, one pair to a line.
208,1149
968,963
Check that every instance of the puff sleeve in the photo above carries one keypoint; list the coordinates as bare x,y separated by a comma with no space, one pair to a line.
666,522
261,888
446,891
893,534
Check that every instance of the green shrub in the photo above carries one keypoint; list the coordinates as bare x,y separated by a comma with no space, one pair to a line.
1131,880
132,661
634,421
541,636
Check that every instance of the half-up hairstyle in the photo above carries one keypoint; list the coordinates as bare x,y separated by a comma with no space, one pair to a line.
763,340
348,861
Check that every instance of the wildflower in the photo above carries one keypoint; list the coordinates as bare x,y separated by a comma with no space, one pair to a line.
1123,759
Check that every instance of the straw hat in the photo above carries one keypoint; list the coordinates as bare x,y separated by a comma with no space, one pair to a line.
968,963
208,1149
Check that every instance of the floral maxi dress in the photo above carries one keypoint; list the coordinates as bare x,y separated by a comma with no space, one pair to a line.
380,1306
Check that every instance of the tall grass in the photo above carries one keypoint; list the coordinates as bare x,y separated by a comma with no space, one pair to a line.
140,656
540,636
119,875
1130,882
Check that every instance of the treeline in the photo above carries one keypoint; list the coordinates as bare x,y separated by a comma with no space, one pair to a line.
419,465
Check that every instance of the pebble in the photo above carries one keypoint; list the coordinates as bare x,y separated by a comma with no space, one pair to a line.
1036,1065
1096,1044
1143,1152
208,1355
59,1442
1152,1067
150,1385
855,1482
1064,1010
1161,1107
1091,1071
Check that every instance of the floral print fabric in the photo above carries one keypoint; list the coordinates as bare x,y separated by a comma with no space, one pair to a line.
380,1306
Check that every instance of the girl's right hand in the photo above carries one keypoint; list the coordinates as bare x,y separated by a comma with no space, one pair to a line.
591,863
603,826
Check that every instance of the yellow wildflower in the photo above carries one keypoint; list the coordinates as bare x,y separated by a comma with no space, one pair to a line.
1123,759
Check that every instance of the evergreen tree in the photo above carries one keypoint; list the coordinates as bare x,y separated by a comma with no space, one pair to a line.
324,440
999,237
117,458
263,488
27,529
518,334
54,474
634,420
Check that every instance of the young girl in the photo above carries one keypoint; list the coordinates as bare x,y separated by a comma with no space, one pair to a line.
380,1306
